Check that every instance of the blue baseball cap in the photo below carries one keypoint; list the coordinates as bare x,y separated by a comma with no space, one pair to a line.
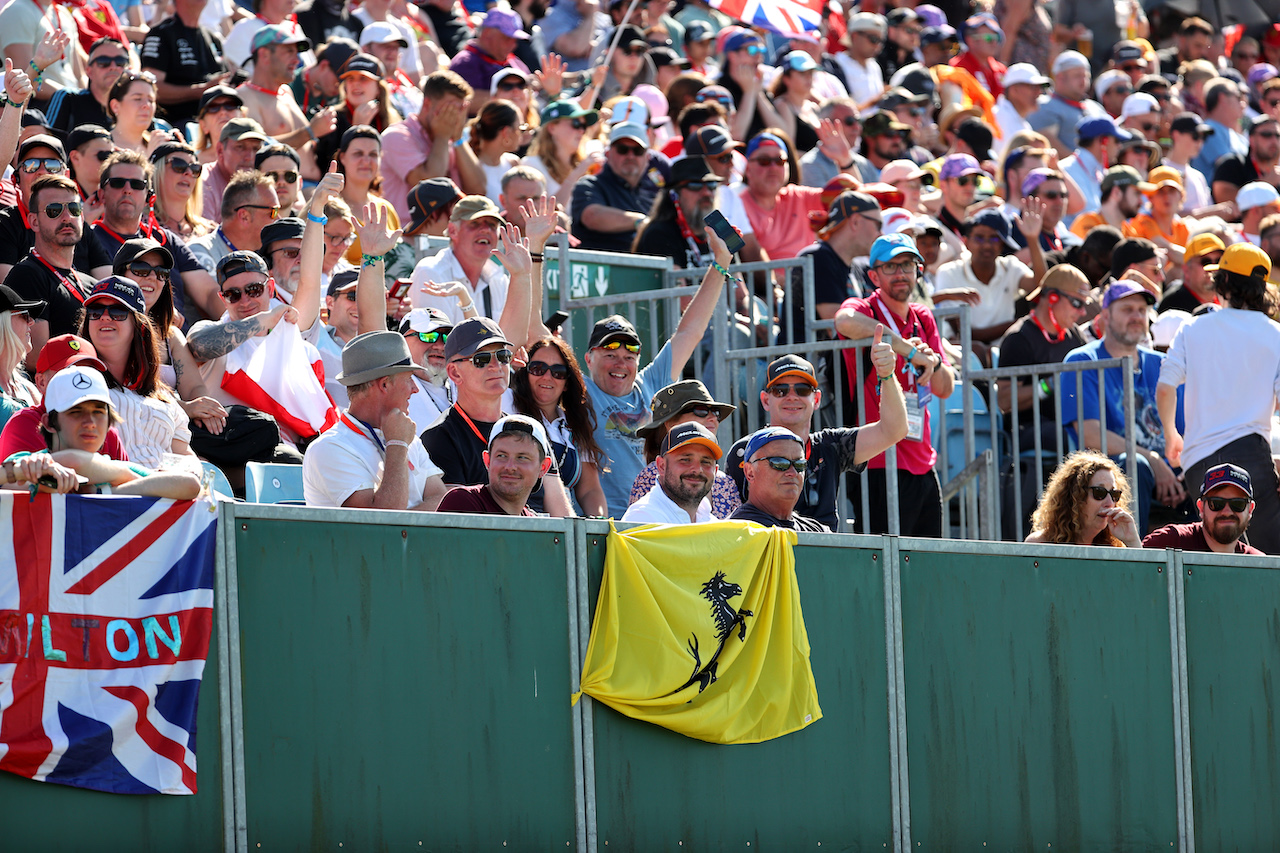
117,288
761,437
997,222
1226,474
1092,127
762,139
889,246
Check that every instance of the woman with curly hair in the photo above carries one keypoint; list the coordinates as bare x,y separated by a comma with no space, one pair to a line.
1086,503
550,387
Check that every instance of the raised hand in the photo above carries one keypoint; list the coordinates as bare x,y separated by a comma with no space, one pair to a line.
513,252
374,230
539,221
833,143
324,122
1031,222
551,75
330,185
17,85
50,49
718,247
365,113
883,358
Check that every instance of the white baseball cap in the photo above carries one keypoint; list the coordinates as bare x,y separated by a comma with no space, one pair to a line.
895,219
1107,79
1139,104
1024,72
521,424
1256,194
1069,59
74,385
381,32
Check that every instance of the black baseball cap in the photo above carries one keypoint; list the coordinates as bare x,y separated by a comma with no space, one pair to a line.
337,51
276,150
1132,251
239,262
11,301
286,228
665,57
882,122
977,134
427,198
360,131
847,204
632,35
117,288
220,91
136,248
340,281
42,140
611,327
164,149
34,118
790,365
1189,122
86,133
710,140
689,170
470,335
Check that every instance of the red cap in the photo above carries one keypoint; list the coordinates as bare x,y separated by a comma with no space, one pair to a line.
66,350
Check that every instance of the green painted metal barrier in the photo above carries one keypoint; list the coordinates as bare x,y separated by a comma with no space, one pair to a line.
827,786
1038,696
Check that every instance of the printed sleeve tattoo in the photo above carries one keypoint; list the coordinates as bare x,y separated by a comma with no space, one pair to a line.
209,340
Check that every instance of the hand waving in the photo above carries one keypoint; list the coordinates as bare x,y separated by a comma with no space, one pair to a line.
539,221
374,230
513,252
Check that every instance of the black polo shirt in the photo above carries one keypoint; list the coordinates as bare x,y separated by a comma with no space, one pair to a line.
31,279
187,56
452,31
664,238
1025,344
69,110
749,512
1235,169
16,240
830,453
608,189
320,23
1178,297
831,283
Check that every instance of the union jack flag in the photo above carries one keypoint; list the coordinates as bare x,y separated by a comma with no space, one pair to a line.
786,17
106,608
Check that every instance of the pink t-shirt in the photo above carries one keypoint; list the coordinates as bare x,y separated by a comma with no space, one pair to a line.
917,457
405,147
785,230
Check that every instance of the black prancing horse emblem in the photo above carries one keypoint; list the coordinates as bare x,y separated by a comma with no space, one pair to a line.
718,591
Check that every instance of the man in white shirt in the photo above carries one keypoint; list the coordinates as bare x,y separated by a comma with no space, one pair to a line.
371,458
1022,87
1188,133
984,268
426,330
473,237
867,32
686,473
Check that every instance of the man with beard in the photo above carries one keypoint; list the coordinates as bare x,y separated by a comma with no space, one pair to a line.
46,273
853,223
282,250
68,110
248,205
610,206
677,216
1126,305
122,188
518,454
426,330
884,139
774,466
1122,189
686,472
269,99
1196,287
1226,507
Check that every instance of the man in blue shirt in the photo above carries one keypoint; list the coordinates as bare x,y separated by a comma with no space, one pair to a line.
1126,305
1224,109
621,392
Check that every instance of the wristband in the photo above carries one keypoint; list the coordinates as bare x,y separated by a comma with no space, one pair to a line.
369,260
1043,389
312,134
912,354
319,220
537,257
715,265
395,442
848,167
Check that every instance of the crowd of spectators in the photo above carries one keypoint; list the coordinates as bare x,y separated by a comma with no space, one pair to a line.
215,207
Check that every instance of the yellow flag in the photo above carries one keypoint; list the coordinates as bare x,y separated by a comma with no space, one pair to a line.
698,629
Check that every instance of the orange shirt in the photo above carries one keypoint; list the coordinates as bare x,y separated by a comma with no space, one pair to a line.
1085,222
1144,226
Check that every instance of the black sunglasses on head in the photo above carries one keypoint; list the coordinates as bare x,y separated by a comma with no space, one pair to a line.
253,291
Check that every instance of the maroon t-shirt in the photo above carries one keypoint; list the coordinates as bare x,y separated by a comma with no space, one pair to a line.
475,499
1188,537
22,432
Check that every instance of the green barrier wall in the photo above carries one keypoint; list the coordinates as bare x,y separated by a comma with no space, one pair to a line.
1039,695
1233,660
826,786
404,686
597,274
38,816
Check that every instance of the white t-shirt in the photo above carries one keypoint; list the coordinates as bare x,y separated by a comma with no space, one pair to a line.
997,297
430,403
493,174
656,508
1223,404
1193,181
345,460
442,267
865,79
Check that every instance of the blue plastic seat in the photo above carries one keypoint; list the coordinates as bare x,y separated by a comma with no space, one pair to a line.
271,483
220,484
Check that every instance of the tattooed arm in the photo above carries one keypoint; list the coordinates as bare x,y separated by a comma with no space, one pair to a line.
209,340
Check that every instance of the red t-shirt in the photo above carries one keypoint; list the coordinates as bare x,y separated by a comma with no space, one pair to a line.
916,457
989,75
22,432
784,231
674,147
477,500
96,19
1188,537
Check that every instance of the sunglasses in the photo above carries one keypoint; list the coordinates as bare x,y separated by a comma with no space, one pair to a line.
1118,90
578,124
182,167
699,186
631,150
989,38
966,180
512,86
482,359
106,61
851,121
1074,301
290,252
613,346
50,164
275,211
701,412
782,389
117,313
1100,493
1217,504
137,269
253,291
631,51
1129,68
349,295
1208,260
432,337
104,154
724,159
1149,128
222,107
754,50
1268,134
722,100
54,210
872,39
541,368
131,183
768,161
782,463
1051,195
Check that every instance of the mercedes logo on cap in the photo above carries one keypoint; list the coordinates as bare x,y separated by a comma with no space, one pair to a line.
81,382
